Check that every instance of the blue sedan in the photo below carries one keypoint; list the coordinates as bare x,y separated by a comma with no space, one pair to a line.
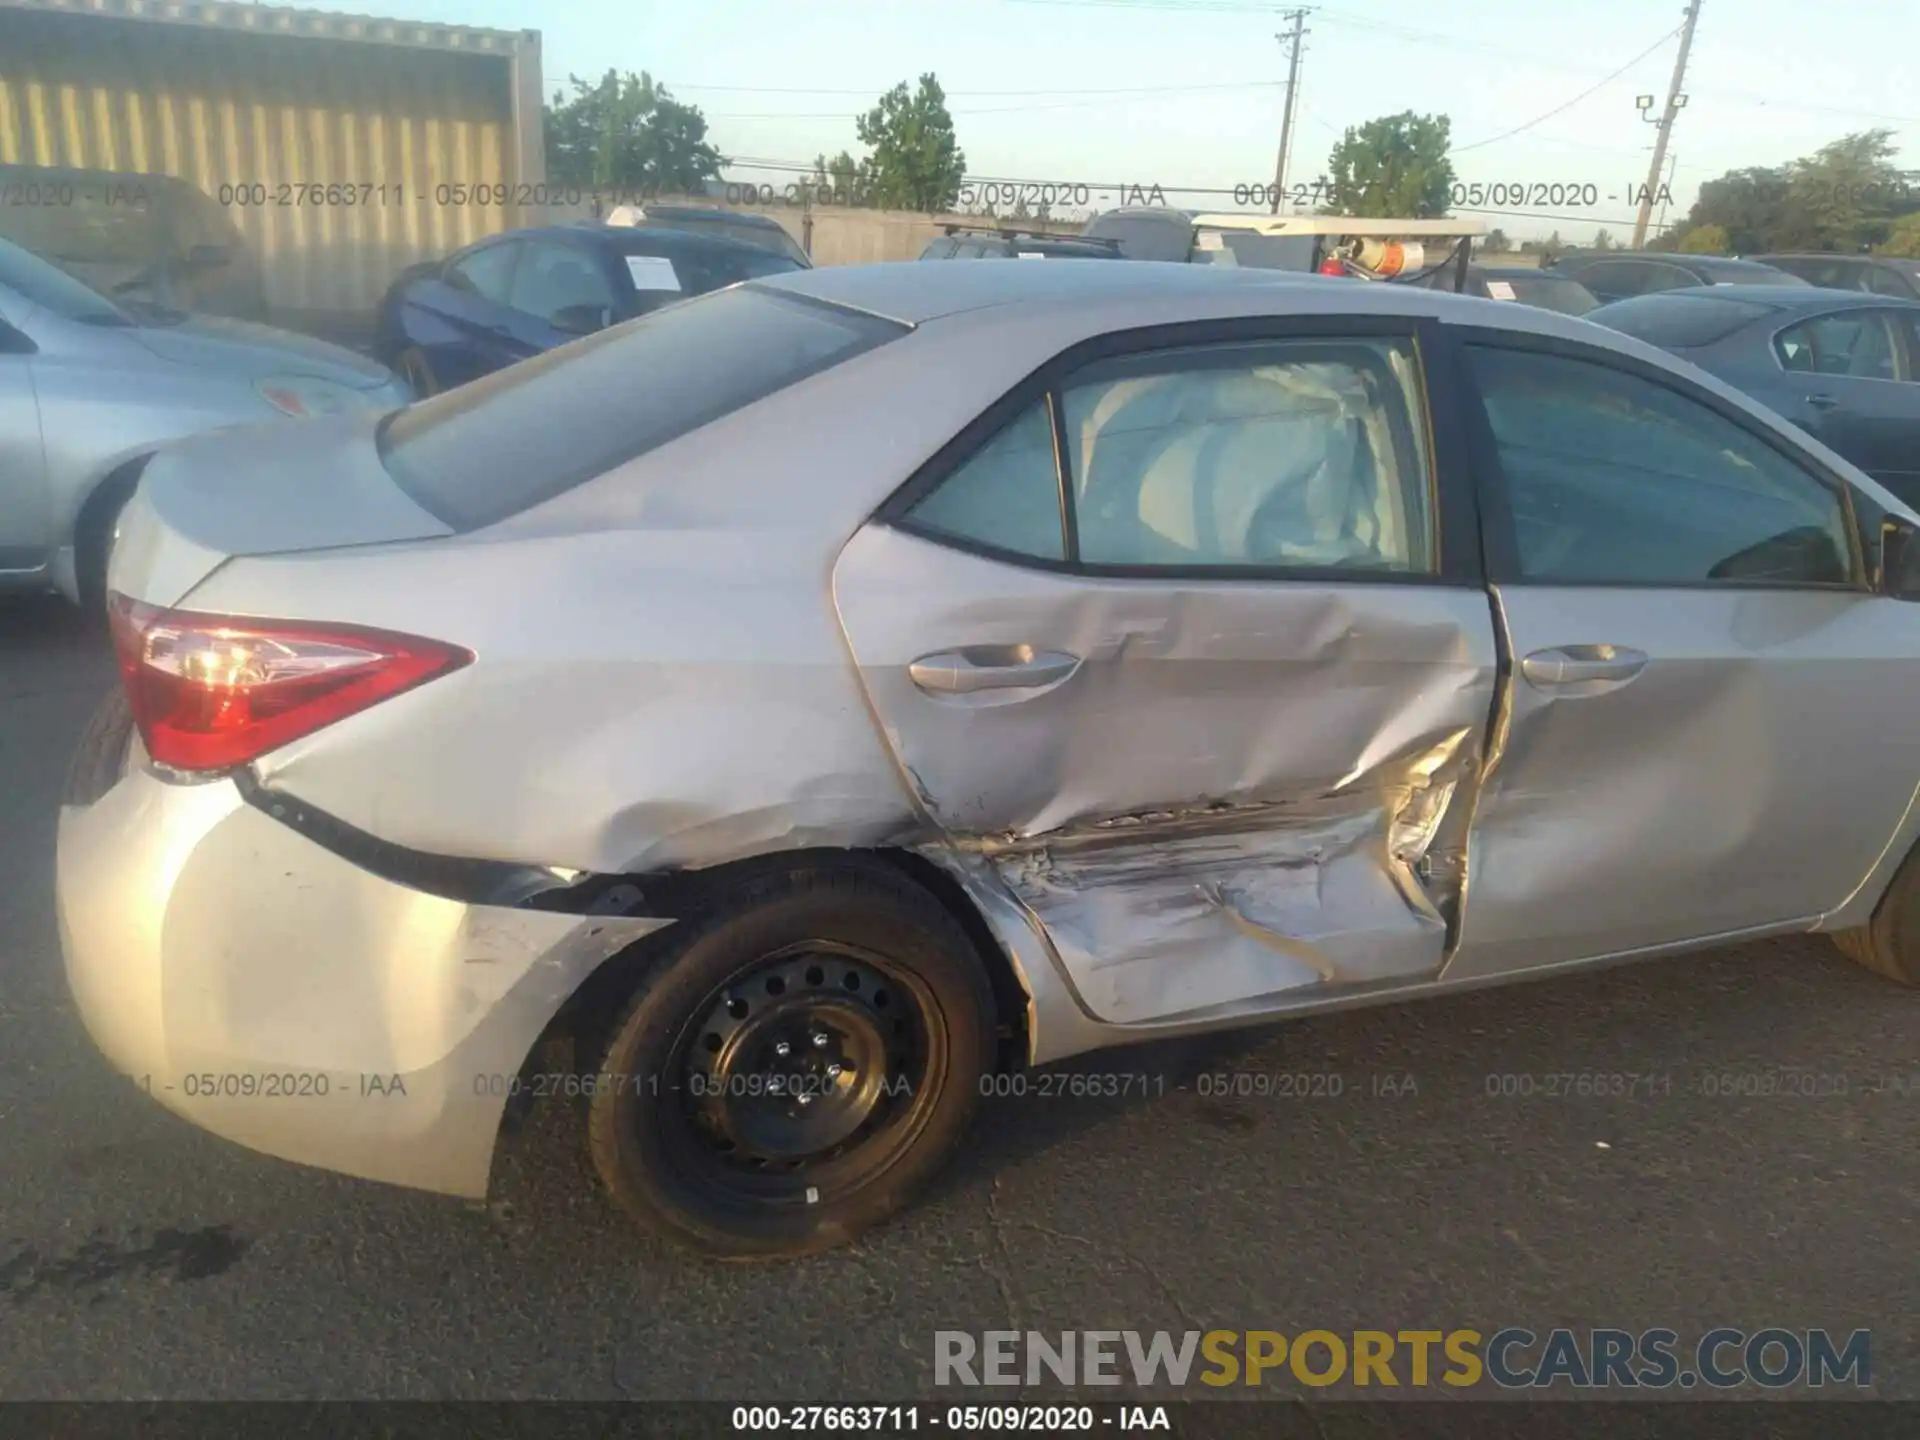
524,292
1841,364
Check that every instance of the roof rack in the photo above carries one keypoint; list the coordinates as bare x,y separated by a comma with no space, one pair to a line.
1014,232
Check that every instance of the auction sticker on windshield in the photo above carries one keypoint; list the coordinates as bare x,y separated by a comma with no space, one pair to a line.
1500,290
652,272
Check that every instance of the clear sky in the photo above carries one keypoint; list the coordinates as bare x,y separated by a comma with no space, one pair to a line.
1188,93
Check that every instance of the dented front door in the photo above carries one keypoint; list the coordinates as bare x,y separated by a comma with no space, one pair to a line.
1207,793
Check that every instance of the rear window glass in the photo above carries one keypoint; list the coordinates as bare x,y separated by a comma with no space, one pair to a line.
1244,249
696,270
510,440
1736,272
1549,292
1145,237
1678,322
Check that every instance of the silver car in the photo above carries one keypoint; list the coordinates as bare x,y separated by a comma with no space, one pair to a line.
90,388
811,698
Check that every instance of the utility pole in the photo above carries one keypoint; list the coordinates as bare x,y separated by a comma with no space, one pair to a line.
1292,42
1673,163
1674,101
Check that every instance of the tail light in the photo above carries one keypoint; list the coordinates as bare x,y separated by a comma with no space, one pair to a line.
210,692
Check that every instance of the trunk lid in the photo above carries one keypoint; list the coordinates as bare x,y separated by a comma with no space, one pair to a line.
259,490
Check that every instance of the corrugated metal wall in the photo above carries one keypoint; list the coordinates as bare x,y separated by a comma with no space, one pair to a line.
222,107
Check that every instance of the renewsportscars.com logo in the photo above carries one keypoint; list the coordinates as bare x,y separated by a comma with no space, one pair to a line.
1513,1358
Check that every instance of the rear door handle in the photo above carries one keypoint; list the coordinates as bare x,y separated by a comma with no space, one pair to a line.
1822,402
1570,665
990,667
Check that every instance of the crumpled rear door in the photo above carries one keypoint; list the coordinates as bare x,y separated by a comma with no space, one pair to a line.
1241,789
1222,742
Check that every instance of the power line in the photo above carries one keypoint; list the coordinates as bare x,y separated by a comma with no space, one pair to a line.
1558,109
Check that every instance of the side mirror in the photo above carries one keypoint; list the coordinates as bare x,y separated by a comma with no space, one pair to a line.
582,319
1899,559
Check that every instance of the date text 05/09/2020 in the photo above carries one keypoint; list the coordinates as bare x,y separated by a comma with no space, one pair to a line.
1475,194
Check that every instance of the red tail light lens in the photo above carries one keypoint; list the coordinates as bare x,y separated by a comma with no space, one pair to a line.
210,692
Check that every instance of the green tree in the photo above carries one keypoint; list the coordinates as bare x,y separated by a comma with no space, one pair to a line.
915,162
1903,238
1848,191
1496,242
833,182
1847,195
1394,167
1704,240
1750,207
624,132
1604,241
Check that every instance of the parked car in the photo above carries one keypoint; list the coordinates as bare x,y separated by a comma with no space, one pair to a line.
1876,274
90,388
755,230
812,697
969,242
1621,274
1529,286
1430,252
1843,366
523,292
134,236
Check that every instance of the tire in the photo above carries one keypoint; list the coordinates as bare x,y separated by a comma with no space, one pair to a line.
417,373
100,759
688,1128
1889,943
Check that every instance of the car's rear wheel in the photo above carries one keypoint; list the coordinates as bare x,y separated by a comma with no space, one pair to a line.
795,1066
418,374
1889,943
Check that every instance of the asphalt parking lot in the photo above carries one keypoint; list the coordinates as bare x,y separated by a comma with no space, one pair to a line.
140,1258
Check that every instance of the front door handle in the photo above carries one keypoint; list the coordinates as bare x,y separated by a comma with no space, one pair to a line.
1570,665
990,667
1822,402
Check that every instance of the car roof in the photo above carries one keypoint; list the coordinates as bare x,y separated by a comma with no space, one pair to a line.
1671,257
1147,212
1794,298
1901,263
1090,297
697,212
634,239
1520,272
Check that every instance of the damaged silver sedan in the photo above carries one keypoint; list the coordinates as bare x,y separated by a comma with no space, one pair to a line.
811,697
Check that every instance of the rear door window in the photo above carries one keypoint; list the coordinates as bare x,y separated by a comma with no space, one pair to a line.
510,440
1859,343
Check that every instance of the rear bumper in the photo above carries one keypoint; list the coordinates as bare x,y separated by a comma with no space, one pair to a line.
282,997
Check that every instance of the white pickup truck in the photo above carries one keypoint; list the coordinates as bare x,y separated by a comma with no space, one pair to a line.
1433,252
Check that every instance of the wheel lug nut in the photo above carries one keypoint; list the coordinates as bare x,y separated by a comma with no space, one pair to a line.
834,1071
820,1038
805,1098
783,1049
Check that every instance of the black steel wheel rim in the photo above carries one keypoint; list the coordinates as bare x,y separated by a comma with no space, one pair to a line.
805,1075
